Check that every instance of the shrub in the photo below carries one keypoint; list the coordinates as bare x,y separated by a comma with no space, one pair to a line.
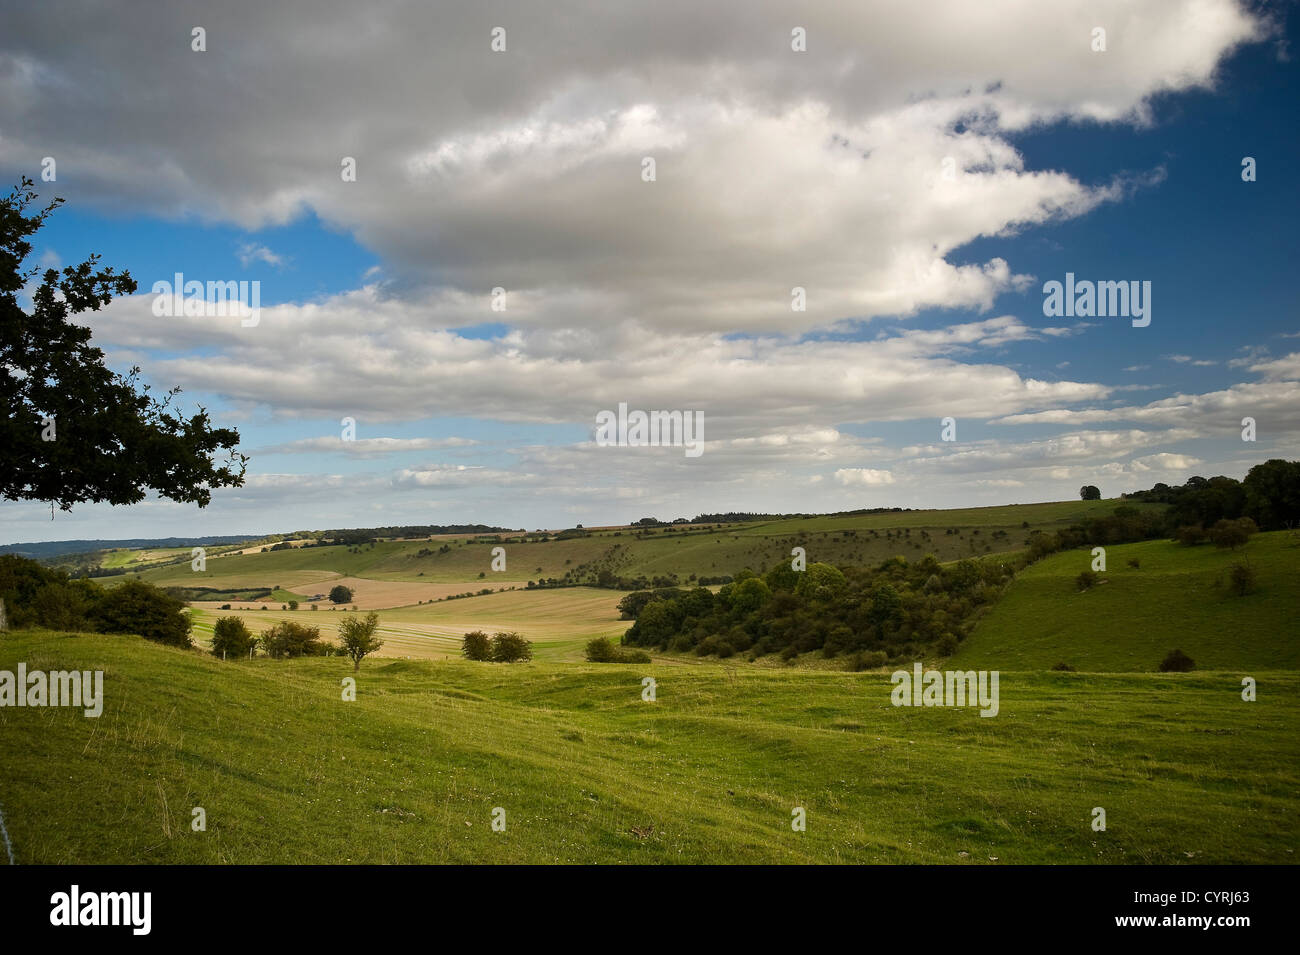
947,645
289,639
65,606
510,648
476,646
293,605
1086,580
340,595
1063,667
358,639
138,607
867,660
1232,534
1189,535
1135,563
602,650
1177,662
714,644
229,635
1241,578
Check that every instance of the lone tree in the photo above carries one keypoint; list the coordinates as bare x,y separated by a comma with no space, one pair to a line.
1090,492
71,430
340,594
357,637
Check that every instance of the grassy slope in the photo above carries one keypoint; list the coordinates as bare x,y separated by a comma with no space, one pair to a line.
410,772
1138,615
703,552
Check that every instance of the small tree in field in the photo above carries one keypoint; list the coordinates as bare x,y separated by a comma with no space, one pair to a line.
511,648
1232,534
340,594
1090,492
476,646
1241,578
230,635
358,638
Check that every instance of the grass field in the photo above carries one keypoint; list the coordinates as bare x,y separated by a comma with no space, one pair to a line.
587,772
379,571
559,622
1176,598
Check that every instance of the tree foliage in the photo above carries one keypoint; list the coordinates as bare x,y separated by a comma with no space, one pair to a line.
357,636
71,430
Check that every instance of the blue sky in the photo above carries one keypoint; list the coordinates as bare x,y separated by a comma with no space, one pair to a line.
820,169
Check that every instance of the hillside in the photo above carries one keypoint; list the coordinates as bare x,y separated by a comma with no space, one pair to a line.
587,772
447,565
1176,598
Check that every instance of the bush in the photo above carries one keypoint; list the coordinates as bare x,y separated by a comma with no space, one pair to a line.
476,646
229,635
1190,535
1063,667
357,637
137,607
867,660
1086,580
602,650
289,639
1232,534
510,648
293,605
1135,563
1177,662
340,594
65,606
1241,578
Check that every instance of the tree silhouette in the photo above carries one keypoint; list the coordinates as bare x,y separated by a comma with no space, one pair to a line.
71,430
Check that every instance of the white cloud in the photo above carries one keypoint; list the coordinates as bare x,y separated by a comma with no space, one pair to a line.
868,477
250,252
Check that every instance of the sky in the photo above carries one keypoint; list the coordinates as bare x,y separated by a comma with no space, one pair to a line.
919,172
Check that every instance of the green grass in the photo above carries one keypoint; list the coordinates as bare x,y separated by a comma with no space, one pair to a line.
702,551
411,771
1175,599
